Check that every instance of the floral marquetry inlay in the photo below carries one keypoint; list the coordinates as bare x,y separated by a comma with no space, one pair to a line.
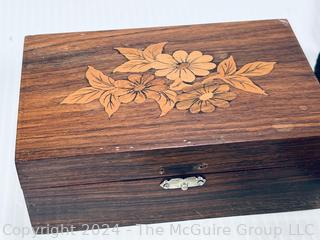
181,80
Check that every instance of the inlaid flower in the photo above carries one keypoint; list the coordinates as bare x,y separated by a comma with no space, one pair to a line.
205,98
137,88
182,67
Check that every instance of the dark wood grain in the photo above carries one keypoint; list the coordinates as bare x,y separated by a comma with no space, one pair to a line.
76,166
169,162
54,66
143,201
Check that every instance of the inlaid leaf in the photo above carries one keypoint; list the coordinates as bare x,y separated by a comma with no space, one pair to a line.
134,66
166,101
139,61
110,101
131,53
243,83
98,80
256,69
211,78
153,50
227,67
83,95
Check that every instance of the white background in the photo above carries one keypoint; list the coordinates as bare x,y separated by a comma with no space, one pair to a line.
26,17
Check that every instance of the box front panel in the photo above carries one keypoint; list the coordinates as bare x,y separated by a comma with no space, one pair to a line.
169,163
144,201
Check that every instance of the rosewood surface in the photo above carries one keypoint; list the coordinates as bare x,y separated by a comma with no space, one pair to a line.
78,166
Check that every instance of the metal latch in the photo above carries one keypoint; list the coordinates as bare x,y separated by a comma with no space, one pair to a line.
183,183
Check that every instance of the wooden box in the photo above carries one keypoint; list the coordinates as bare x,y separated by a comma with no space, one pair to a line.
166,124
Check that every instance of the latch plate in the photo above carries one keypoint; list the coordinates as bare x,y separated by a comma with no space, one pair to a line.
183,183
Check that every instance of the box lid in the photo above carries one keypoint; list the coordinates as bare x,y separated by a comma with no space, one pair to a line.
114,93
